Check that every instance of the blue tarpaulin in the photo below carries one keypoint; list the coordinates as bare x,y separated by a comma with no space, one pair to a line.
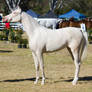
73,13
32,13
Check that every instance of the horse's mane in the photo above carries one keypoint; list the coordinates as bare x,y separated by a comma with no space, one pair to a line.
30,18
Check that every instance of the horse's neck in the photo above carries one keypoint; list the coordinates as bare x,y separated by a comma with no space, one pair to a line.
29,24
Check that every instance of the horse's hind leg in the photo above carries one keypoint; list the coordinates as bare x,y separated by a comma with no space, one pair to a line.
75,53
70,52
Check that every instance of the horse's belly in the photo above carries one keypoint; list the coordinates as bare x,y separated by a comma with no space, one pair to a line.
52,46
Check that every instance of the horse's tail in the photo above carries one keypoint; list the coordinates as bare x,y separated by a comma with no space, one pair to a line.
84,44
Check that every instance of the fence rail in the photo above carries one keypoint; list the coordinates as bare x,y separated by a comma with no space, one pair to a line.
12,25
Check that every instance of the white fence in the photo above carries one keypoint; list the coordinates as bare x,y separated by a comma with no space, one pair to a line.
12,25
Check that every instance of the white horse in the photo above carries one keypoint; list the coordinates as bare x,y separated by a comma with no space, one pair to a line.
42,40
48,22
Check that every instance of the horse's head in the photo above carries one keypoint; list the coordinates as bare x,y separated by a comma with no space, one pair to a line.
14,16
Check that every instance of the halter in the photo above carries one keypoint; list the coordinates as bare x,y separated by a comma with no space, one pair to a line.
20,17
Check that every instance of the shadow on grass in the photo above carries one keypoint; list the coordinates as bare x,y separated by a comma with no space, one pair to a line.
87,78
6,51
18,80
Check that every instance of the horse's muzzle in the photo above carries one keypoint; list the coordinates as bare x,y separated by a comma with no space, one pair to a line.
4,19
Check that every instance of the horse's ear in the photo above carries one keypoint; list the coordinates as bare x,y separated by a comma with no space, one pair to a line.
19,9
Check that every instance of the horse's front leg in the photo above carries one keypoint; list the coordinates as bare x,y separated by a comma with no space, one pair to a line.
36,67
40,58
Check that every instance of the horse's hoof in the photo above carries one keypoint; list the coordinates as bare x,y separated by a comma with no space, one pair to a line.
42,83
74,82
35,82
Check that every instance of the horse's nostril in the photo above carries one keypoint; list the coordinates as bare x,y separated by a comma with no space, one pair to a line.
4,20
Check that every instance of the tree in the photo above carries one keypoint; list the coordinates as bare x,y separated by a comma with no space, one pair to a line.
12,4
58,6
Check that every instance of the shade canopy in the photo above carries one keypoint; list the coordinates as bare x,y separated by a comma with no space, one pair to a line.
32,13
73,13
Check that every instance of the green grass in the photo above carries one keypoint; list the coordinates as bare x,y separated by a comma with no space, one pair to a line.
17,71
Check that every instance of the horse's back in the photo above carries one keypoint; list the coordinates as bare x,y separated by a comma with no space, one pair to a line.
57,39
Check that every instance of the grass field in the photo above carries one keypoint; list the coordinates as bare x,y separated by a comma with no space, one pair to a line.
17,72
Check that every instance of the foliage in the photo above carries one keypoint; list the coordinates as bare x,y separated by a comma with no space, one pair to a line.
90,35
42,6
12,35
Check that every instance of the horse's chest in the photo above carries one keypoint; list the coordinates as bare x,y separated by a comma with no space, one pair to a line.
37,43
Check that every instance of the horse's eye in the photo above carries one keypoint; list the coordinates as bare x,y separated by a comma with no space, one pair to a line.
14,12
